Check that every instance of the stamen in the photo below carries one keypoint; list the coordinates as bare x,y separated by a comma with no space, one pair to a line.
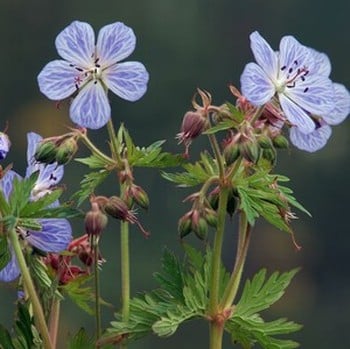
79,69
306,89
283,68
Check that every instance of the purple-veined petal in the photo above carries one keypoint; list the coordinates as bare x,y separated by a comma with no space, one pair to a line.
55,235
114,43
33,139
313,141
296,115
255,85
4,145
6,182
128,80
322,63
90,108
11,270
293,56
342,105
315,94
264,55
58,80
76,44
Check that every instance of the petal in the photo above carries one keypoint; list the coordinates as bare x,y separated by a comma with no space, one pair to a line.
315,94
264,55
90,108
310,142
322,63
11,270
55,235
33,140
6,182
293,55
115,42
342,105
76,44
58,80
296,115
255,85
127,80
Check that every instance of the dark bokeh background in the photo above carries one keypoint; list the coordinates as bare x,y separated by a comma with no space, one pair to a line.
187,44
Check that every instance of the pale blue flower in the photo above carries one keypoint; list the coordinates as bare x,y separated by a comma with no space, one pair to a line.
318,138
55,234
296,74
4,145
91,69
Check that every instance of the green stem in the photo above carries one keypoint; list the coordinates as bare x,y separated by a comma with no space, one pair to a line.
217,248
216,332
29,286
125,273
54,321
94,150
97,289
114,143
217,153
242,249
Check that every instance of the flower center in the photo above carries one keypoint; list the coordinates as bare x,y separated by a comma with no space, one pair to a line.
85,75
291,76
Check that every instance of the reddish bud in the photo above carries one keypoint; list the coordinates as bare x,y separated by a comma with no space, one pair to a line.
139,196
117,208
95,220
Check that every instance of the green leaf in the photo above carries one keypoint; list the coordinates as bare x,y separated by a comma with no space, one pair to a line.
81,340
83,296
236,114
92,161
88,185
5,339
196,173
247,327
5,255
221,126
4,206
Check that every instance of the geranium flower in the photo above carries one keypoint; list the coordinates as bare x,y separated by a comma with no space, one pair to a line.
90,70
297,75
318,138
55,234
4,145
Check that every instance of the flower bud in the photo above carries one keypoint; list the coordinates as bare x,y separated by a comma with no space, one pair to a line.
270,155
4,145
213,198
66,150
211,217
139,196
231,153
200,228
184,225
250,151
280,142
265,142
95,221
46,152
117,208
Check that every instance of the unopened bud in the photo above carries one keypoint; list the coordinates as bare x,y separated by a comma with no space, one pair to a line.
66,150
139,196
280,142
213,198
117,208
270,155
250,151
4,145
200,228
265,142
211,217
95,220
46,152
231,153
184,225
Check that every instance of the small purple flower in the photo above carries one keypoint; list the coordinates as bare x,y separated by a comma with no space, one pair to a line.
318,138
49,175
91,69
298,75
4,145
55,234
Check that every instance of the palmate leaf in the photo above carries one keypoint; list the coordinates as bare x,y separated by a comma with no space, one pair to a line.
92,162
221,126
81,340
247,327
195,174
88,185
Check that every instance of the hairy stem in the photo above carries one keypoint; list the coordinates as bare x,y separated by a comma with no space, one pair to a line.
97,288
242,249
216,332
54,321
30,288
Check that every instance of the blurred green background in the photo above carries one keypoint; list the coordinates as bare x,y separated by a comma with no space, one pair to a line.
187,44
